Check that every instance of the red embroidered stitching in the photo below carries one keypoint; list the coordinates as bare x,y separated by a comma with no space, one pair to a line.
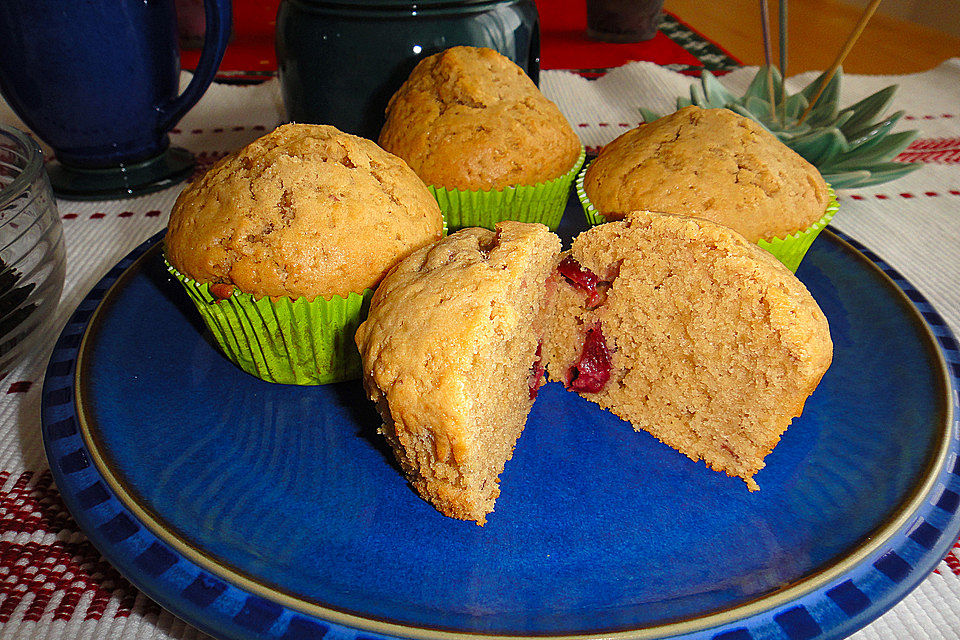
256,127
21,386
33,507
42,570
100,215
934,143
930,116
952,561
70,564
623,125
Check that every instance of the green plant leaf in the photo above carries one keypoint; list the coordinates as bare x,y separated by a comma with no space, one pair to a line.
648,115
758,86
825,110
887,171
697,96
865,111
716,93
864,135
743,111
846,179
794,105
877,150
820,145
760,109
874,131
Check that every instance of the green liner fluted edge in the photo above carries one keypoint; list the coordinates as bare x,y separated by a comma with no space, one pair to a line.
789,250
305,342
543,202
594,217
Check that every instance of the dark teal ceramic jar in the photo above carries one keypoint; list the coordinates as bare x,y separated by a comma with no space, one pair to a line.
339,62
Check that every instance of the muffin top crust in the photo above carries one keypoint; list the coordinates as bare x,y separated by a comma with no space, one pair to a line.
469,118
711,164
304,211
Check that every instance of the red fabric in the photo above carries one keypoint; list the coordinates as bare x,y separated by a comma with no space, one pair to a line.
36,571
251,47
564,44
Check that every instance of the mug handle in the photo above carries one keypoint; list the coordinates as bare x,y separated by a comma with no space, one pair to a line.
218,18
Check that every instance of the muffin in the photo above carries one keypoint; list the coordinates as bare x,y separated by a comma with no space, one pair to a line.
678,325
690,332
717,165
451,354
281,244
480,134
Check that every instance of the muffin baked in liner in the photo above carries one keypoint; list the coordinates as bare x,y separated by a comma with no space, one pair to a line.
789,250
284,340
543,202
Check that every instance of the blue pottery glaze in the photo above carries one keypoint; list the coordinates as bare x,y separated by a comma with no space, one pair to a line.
340,62
255,510
98,80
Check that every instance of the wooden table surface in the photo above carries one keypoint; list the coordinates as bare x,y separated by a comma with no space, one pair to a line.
817,32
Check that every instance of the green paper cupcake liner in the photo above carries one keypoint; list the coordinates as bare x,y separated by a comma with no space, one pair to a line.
305,342
788,250
594,217
791,249
543,202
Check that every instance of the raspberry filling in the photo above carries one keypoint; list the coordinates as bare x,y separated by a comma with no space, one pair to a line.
585,280
578,276
592,371
536,371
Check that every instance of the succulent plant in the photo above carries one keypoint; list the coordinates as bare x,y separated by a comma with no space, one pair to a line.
852,147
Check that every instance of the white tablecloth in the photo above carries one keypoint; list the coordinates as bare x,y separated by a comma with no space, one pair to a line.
54,585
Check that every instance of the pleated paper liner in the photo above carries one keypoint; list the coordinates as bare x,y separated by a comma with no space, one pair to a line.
305,342
788,250
791,249
543,202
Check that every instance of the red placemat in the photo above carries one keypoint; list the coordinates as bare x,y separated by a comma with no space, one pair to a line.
564,45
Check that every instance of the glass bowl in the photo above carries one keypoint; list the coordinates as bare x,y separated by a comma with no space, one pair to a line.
32,258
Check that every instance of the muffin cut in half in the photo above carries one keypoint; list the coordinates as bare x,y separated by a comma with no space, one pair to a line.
690,332
450,352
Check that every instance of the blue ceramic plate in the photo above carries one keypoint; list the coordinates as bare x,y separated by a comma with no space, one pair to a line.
254,510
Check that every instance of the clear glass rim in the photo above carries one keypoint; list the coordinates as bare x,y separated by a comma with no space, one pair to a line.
30,172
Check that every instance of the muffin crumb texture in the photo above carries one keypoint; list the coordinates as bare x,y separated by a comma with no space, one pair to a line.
712,345
304,211
712,164
450,351
469,118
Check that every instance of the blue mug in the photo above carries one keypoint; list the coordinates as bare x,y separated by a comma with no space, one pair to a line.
98,81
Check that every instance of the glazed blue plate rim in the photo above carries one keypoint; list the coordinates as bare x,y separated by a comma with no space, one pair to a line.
785,609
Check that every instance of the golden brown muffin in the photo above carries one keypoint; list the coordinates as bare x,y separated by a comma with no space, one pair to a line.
450,353
304,211
690,332
469,118
712,164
